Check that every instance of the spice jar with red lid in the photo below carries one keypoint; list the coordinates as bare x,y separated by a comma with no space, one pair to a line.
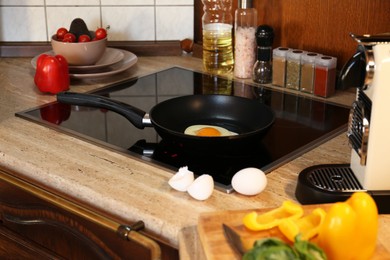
325,76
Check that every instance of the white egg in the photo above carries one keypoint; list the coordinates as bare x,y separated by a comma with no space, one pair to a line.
208,130
202,187
182,179
249,181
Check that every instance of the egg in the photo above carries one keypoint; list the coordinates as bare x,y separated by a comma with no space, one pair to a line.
208,130
202,187
182,179
249,181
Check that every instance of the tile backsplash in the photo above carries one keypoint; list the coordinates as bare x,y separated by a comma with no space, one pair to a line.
129,20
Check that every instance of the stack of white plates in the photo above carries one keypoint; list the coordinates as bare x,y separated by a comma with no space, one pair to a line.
113,61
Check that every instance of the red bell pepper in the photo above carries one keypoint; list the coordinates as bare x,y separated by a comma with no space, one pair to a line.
52,74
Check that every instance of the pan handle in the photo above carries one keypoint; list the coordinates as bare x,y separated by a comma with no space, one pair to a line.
136,116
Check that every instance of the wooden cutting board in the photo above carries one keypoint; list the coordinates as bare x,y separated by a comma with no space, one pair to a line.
216,246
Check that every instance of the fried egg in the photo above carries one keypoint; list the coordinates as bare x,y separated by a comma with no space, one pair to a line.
207,130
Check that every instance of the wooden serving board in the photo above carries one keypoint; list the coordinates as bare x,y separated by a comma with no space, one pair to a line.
216,246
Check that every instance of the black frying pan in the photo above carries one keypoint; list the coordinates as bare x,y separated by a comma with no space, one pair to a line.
249,118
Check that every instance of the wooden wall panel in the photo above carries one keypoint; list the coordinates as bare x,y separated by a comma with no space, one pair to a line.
317,25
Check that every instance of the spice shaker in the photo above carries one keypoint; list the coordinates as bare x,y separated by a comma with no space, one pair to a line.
245,42
293,69
279,66
217,23
325,76
308,72
262,70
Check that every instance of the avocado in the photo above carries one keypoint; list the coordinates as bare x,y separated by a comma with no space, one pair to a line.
79,27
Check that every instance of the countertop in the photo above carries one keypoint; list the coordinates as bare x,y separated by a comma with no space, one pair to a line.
122,186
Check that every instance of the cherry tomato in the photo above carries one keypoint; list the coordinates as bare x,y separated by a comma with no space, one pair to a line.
100,33
69,37
61,33
84,38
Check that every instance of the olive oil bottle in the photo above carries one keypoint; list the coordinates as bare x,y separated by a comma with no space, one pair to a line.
217,36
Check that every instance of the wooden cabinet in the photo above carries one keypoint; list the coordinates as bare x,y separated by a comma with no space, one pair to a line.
35,224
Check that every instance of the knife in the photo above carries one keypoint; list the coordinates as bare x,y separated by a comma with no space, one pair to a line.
240,245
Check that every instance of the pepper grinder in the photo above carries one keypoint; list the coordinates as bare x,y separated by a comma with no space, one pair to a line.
262,70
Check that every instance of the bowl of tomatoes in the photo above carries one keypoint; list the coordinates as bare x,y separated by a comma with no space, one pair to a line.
80,46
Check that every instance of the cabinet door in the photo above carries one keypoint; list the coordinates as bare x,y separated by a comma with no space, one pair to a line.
63,231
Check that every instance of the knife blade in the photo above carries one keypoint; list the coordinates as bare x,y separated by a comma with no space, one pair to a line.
240,245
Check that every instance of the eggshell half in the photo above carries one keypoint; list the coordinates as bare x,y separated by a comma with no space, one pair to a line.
202,187
182,179
249,181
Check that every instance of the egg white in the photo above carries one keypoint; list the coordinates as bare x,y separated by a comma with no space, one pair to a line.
193,129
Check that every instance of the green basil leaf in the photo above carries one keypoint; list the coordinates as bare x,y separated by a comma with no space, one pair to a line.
270,249
307,250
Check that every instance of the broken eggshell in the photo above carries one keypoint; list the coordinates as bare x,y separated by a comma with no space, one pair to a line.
249,181
182,179
202,187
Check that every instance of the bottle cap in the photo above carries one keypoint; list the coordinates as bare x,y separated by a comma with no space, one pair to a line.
280,52
264,36
326,61
244,4
294,55
309,57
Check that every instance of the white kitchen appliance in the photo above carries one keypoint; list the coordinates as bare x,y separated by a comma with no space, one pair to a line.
369,123
368,129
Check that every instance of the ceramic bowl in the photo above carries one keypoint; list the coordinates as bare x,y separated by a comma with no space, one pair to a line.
79,53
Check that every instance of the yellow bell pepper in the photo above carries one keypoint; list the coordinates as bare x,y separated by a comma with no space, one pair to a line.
308,226
272,218
350,228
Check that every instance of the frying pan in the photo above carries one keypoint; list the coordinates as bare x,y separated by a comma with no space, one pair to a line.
249,118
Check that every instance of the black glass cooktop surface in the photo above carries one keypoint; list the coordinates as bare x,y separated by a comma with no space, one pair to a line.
301,123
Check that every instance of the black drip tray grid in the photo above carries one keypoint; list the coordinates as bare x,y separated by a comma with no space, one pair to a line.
329,183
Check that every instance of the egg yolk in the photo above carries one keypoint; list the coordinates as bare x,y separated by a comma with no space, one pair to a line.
208,131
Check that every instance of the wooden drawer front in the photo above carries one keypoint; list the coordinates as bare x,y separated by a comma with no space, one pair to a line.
59,231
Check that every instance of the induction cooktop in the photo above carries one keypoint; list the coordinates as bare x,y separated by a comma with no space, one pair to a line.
301,123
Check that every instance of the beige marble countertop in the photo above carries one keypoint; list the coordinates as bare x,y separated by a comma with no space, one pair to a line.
118,184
